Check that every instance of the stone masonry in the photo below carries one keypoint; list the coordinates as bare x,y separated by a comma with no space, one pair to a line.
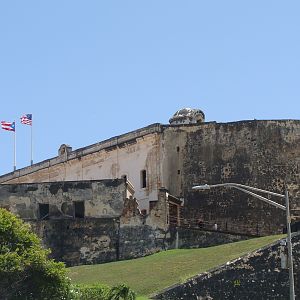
261,275
263,154
141,183
87,222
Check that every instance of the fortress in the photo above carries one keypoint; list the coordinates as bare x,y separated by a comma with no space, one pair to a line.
121,197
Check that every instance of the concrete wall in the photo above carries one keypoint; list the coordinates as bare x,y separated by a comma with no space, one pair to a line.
258,275
263,154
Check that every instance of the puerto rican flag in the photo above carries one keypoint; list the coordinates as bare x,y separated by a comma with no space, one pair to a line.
26,119
10,126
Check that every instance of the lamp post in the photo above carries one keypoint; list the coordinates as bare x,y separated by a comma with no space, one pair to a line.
249,190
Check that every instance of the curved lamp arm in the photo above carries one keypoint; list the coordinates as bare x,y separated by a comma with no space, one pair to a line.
245,189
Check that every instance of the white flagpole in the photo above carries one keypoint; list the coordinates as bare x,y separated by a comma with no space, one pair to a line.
15,149
31,161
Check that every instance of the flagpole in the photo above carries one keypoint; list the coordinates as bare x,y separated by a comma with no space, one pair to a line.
31,161
15,149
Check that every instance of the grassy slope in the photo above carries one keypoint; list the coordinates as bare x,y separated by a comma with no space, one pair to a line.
153,273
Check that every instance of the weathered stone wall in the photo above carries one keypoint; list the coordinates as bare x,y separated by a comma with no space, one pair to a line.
186,238
80,241
159,215
124,155
96,240
263,154
138,241
99,240
112,227
258,275
103,198
173,153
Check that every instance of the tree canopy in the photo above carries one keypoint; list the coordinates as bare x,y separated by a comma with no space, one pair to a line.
26,272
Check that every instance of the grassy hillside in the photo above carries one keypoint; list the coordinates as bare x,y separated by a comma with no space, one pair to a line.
153,273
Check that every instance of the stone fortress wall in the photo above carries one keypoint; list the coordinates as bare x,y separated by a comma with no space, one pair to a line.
264,154
123,156
262,274
96,221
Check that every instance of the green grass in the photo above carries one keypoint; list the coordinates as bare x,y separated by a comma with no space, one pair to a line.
155,272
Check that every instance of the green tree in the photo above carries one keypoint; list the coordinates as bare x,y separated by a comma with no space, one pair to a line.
26,272
122,292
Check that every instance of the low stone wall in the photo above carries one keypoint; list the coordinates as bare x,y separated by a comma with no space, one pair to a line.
100,240
259,275
96,240
138,241
80,241
197,238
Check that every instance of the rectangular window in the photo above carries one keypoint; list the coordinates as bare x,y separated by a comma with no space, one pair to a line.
78,209
43,211
143,179
152,204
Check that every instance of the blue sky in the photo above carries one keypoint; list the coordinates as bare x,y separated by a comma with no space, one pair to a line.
90,70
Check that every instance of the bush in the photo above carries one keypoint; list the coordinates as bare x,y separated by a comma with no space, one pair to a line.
101,292
121,292
89,292
26,272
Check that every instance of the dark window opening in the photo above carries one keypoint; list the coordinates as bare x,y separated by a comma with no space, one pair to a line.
78,209
178,172
43,211
173,214
295,227
152,204
178,149
143,178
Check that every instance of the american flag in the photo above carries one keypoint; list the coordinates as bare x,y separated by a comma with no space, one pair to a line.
26,119
10,126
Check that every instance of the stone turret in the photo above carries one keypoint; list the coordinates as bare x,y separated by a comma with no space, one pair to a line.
64,149
187,116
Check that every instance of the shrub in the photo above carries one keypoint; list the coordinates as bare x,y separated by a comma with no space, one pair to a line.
26,272
101,292
121,292
89,292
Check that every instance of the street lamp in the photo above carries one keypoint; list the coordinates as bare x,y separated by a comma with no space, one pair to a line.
247,189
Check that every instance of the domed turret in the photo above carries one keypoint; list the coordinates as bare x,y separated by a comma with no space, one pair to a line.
187,116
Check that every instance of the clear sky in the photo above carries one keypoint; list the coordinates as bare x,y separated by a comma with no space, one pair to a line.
90,70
